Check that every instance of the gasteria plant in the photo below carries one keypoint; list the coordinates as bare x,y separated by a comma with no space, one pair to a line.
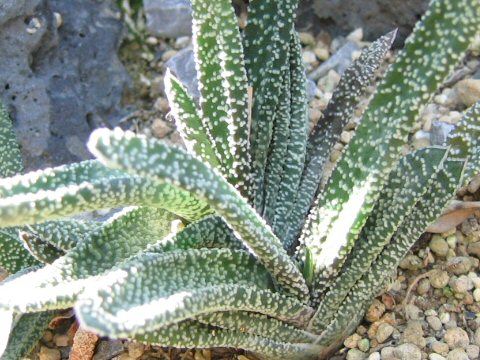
232,243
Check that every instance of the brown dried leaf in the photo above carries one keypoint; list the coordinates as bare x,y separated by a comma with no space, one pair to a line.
454,215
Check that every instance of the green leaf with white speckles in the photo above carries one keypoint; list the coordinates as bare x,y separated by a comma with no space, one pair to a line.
209,232
10,156
157,290
257,324
267,35
350,194
13,256
64,234
464,142
25,334
57,285
295,157
188,120
339,111
223,86
70,189
406,185
40,249
190,334
152,158
431,205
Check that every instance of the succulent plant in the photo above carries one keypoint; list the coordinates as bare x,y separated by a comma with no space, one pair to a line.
233,242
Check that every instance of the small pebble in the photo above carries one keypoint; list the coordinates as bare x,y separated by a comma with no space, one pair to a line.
356,35
375,356
413,312
306,38
476,295
135,350
384,332
439,279
434,356
439,245
355,354
473,351
457,354
413,334
462,284
434,323
468,91
440,348
309,57
423,286
411,262
476,337
459,265
364,345
49,354
456,337
375,311
351,342
61,340
474,185
408,352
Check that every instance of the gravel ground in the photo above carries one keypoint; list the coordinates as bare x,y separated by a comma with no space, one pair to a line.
431,310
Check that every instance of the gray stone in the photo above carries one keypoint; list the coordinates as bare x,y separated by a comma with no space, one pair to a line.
434,356
168,18
59,79
472,352
182,65
339,61
440,131
456,338
457,354
108,349
355,354
311,89
434,323
408,352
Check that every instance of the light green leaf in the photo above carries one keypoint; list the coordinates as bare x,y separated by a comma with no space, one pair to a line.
429,56
435,199
406,185
190,334
156,290
195,135
56,286
326,133
71,189
152,158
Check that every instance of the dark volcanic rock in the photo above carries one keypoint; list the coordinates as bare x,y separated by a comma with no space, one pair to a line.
376,17
60,75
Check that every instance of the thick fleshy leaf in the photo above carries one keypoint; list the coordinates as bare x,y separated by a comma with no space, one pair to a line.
223,86
10,156
278,150
71,189
64,234
338,113
266,42
13,256
257,324
195,135
350,194
152,158
465,142
56,286
430,206
190,334
405,186
295,157
25,334
157,290
40,249
209,232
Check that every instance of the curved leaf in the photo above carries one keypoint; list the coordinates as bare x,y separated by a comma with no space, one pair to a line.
154,159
